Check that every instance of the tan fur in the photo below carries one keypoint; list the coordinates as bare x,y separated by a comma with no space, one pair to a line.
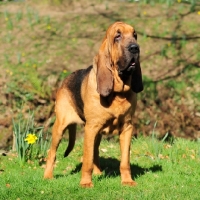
109,105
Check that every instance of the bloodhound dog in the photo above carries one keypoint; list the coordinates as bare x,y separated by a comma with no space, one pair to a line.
103,98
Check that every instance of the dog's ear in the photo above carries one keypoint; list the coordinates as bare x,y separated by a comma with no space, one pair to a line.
136,82
103,71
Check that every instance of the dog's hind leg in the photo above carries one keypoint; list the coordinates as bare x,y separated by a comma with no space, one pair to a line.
57,133
65,116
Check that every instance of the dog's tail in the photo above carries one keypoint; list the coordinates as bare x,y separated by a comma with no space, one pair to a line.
72,139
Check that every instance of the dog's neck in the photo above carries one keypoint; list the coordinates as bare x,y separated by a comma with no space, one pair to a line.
121,85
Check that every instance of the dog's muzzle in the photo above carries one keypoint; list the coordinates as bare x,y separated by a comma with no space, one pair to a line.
130,68
134,48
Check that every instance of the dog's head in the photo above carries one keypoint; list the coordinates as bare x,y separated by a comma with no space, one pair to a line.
119,51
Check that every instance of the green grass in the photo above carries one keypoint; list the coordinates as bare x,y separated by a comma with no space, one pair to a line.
40,47
162,170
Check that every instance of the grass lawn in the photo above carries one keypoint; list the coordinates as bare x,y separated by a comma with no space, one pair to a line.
162,171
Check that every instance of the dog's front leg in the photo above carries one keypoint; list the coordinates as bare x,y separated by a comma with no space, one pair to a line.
125,140
96,166
88,155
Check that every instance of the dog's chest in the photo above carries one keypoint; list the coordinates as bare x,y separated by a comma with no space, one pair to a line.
120,106
120,113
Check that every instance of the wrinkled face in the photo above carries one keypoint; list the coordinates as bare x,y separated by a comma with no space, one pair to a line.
119,52
124,49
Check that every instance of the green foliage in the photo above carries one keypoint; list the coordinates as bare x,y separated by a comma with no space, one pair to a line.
26,82
168,2
29,140
9,23
64,74
19,16
149,88
178,86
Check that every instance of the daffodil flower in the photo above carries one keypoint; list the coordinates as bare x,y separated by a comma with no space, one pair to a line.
31,138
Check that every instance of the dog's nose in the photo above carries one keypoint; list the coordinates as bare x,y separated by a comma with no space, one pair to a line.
134,48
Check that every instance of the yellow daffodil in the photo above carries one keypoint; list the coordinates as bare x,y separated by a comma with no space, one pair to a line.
198,12
31,138
179,1
49,27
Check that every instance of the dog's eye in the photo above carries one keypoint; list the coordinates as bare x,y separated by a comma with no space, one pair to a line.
135,35
117,37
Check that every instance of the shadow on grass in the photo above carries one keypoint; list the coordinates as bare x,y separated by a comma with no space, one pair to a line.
110,167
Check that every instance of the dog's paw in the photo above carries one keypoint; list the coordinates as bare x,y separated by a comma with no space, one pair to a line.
129,183
86,185
48,176
97,171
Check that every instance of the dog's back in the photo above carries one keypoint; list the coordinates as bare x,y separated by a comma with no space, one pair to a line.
73,83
